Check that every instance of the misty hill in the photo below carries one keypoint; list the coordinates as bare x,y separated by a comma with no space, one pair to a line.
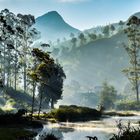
97,61
99,29
52,26
90,65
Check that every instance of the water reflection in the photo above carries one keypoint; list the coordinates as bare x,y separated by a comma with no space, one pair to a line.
81,135
103,129
56,132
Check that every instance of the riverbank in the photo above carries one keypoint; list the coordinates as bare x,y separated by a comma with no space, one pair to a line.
74,113
7,133
103,128
17,127
121,113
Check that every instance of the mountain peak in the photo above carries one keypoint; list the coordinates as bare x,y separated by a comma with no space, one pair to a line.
52,15
53,26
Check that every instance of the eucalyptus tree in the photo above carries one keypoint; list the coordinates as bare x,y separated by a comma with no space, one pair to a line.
54,89
133,50
33,78
26,21
16,38
6,41
49,76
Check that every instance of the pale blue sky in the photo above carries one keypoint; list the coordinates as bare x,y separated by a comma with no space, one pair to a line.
82,14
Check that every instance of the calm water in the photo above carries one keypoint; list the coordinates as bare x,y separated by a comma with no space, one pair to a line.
103,129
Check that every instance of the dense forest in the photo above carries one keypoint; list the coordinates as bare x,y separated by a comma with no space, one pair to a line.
30,77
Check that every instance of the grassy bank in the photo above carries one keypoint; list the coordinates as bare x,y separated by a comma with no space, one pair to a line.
126,132
15,134
74,113
120,113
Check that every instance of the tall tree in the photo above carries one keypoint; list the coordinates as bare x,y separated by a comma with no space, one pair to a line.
133,50
50,77
26,21
6,42
108,96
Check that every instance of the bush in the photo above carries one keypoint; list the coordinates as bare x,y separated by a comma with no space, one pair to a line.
74,113
127,132
16,134
108,96
10,119
128,105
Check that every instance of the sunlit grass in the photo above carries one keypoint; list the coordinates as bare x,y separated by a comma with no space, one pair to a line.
8,108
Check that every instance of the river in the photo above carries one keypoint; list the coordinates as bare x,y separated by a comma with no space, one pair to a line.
103,128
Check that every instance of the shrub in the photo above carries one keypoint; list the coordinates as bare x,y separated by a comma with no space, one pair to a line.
128,105
74,113
127,132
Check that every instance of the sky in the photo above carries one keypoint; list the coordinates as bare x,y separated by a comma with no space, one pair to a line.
81,14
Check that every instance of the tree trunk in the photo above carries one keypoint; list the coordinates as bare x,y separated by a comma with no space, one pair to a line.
33,99
52,103
15,68
24,69
4,67
137,90
136,75
40,105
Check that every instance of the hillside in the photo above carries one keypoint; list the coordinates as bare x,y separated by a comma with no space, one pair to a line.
97,61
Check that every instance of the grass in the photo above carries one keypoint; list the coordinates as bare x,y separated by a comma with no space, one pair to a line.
74,113
15,134
126,132
128,105
119,113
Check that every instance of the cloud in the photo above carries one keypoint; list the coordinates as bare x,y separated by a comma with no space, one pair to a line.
69,1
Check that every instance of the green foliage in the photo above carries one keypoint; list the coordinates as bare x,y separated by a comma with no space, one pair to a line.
108,96
92,36
14,134
128,105
49,75
106,31
112,28
11,102
82,39
126,132
74,113
132,49
22,100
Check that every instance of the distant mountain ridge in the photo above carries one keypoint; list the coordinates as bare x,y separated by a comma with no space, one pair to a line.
52,26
